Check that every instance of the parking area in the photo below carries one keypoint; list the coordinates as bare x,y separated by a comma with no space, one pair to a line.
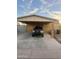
29,47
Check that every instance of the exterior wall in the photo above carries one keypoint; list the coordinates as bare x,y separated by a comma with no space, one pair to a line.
29,27
57,25
46,27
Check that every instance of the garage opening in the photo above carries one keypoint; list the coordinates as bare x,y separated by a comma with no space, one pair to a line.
38,31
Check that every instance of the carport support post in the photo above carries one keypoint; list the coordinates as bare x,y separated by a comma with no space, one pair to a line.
52,34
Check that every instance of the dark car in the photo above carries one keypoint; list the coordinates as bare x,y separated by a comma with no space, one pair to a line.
38,31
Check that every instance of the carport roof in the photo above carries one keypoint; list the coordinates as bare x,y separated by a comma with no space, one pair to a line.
46,19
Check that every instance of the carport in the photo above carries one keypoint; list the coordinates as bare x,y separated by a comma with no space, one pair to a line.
34,20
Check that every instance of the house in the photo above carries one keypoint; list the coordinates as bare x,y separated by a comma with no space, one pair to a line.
48,24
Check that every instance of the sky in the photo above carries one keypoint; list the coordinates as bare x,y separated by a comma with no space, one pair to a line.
46,8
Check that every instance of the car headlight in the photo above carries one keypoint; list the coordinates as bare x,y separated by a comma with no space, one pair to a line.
33,31
42,31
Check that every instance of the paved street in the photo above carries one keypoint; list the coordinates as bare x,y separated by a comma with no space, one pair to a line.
37,48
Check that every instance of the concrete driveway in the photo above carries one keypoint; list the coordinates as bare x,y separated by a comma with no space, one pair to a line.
29,47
